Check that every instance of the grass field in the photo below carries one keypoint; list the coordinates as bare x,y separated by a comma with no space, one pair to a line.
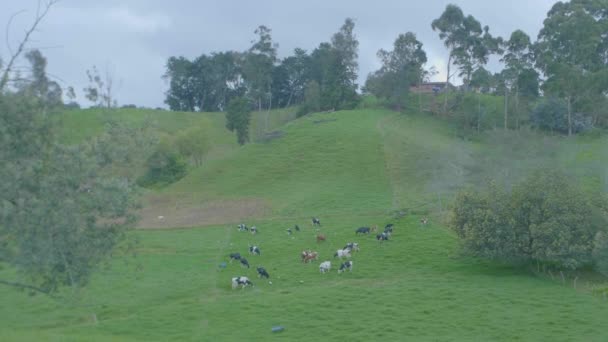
350,168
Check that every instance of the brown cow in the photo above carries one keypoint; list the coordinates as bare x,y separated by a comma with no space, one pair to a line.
320,237
308,256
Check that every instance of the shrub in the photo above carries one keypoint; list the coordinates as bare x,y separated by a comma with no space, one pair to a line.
545,219
164,166
552,115
600,252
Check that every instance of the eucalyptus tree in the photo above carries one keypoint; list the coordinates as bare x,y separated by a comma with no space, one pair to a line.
572,52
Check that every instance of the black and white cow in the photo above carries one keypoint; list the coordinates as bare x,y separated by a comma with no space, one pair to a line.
388,230
382,237
343,253
254,230
241,281
244,262
362,230
254,250
347,265
352,246
242,227
288,231
316,222
262,273
235,256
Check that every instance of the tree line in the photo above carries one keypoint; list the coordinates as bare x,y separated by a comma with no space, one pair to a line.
210,82
566,65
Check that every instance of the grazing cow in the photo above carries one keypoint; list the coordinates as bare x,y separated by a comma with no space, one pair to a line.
235,256
262,272
320,238
382,237
297,228
308,256
242,227
348,265
388,230
362,230
424,220
316,222
389,225
343,253
254,250
244,262
242,281
254,230
352,246
325,266
288,231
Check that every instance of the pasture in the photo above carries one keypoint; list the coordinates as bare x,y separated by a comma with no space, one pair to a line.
350,169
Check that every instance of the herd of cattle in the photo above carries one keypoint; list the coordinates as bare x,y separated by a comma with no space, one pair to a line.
308,256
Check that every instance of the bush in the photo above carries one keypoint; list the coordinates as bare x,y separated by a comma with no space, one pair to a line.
552,115
545,219
164,166
600,252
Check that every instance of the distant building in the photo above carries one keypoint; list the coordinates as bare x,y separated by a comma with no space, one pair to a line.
430,87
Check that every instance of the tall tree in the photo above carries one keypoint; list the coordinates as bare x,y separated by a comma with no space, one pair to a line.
347,46
181,94
468,43
572,52
238,117
62,211
258,64
519,68
401,68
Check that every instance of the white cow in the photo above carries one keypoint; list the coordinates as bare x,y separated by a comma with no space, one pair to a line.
343,253
325,266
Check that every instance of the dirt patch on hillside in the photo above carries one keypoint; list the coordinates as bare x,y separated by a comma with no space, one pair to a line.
160,213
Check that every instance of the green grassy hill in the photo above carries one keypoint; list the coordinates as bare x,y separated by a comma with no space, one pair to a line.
350,168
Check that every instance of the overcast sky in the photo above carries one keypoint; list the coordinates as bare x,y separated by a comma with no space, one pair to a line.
134,38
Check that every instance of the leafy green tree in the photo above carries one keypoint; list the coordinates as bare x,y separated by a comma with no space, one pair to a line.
468,43
63,209
571,51
519,63
181,94
401,68
238,118
289,79
258,64
346,45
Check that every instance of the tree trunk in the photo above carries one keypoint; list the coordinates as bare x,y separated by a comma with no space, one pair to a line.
478,111
289,99
447,87
569,115
516,107
506,108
